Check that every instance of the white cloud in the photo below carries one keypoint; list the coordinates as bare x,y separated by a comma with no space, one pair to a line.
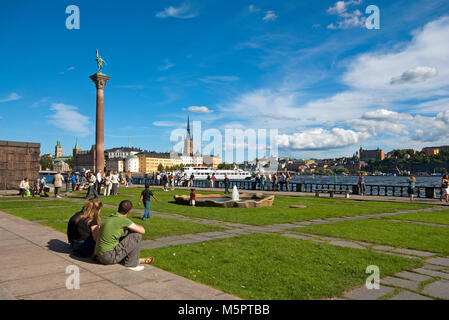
369,105
67,118
219,79
199,109
383,114
167,65
165,124
12,97
373,71
253,8
318,139
415,75
347,19
377,127
269,16
182,12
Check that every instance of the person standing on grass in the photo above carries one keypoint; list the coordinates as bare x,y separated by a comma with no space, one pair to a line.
213,179
145,196
120,239
227,183
287,181
57,181
83,228
114,181
445,188
68,182
99,181
74,184
92,186
361,184
275,181
192,197
107,184
411,187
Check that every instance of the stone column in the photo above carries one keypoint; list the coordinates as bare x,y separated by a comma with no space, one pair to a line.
100,81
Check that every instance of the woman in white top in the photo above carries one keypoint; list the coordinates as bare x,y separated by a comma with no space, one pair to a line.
24,186
114,182
107,184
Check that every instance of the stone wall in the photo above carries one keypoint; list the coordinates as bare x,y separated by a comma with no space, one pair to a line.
17,161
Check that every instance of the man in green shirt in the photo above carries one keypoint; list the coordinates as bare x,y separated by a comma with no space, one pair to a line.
119,240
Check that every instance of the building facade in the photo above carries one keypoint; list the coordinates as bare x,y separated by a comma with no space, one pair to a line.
84,160
115,164
211,161
434,151
367,155
17,161
58,150
149,162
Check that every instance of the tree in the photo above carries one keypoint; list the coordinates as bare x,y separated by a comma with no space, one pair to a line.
46,163
160,167
343,170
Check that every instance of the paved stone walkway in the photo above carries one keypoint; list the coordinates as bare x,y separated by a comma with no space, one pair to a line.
429,282
33,265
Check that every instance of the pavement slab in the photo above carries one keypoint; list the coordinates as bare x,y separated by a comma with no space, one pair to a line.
433,273
439,289
366,294
347,244
33,266
382,247
402,283
439,261
407,295
414,252
413,276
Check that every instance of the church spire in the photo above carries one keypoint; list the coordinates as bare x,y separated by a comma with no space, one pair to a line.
188,125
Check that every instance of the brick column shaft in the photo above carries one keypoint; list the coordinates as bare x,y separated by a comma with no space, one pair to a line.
100,81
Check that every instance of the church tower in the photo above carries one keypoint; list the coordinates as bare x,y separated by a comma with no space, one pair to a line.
58,150
188,141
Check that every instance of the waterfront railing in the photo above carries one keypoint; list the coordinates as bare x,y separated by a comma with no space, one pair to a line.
429,192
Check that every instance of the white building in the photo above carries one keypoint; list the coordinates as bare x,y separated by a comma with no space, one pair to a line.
120,152
132,163
194,160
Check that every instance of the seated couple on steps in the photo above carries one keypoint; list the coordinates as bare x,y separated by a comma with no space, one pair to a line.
117,240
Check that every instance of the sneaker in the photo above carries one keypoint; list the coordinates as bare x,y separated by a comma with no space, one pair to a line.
138,268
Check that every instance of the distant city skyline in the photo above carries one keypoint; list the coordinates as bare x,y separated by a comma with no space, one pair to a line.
310,69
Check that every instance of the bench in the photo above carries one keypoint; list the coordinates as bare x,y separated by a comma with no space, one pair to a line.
332,192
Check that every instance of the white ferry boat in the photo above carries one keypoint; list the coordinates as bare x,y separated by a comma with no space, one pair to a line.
201,172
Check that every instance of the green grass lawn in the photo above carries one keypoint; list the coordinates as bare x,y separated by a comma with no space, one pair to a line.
398,234
280,212
261,266
156,227
441,217
60,213
33,203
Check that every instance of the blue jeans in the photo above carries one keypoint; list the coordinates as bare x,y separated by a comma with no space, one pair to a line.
146,214
84,248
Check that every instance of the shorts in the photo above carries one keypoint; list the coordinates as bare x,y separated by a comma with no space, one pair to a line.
192,202
445,191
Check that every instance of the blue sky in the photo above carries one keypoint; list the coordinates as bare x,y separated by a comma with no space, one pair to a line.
310,69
